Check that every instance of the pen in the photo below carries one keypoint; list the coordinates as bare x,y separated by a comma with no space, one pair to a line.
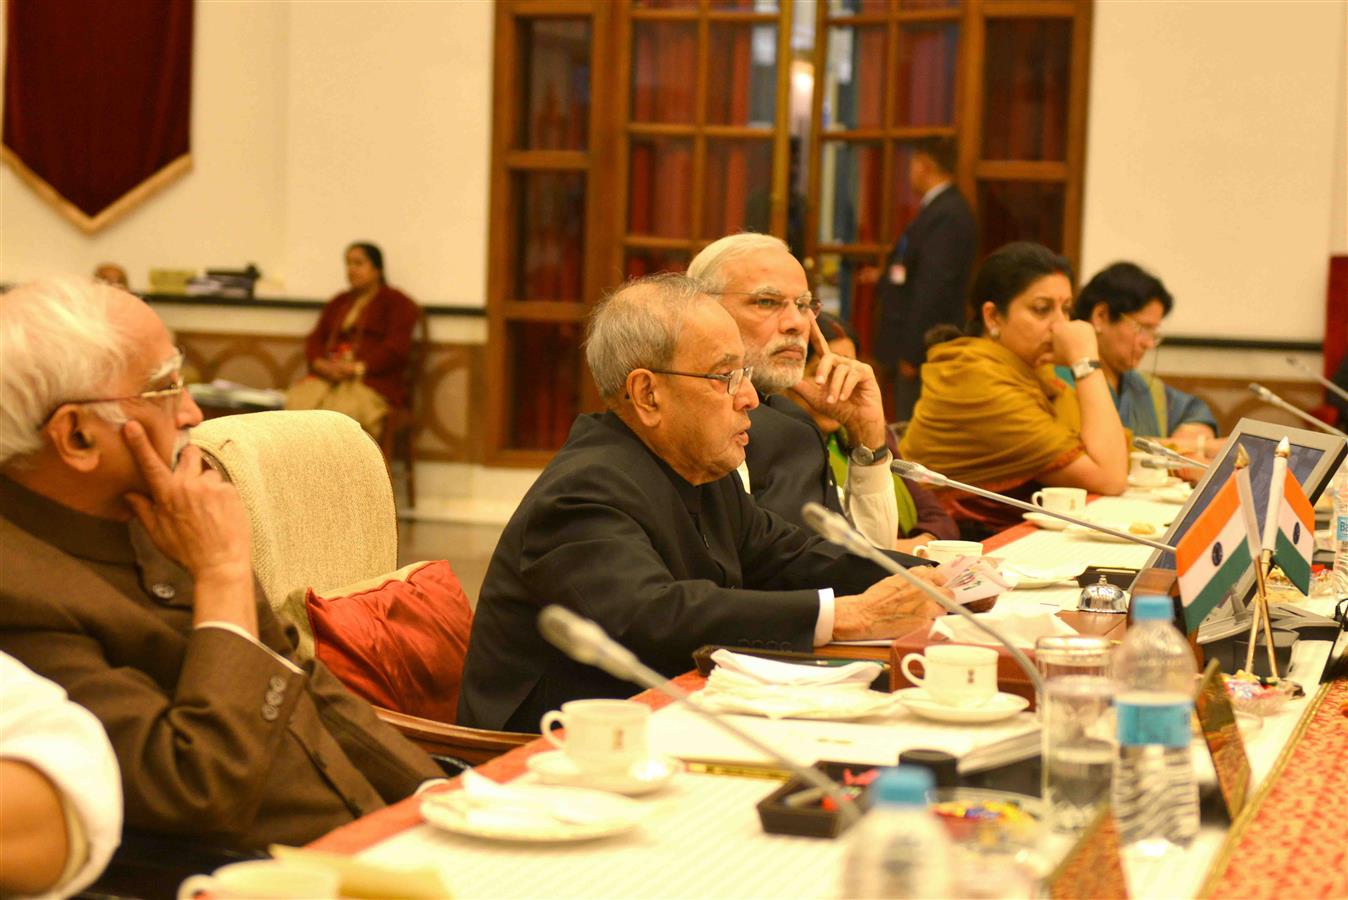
738,771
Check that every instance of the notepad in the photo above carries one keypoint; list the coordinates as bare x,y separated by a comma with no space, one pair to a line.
679,732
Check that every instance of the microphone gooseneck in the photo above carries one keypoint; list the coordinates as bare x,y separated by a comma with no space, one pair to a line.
1166,464
1273,399
1329,385
1156,448
924,475
586,642
835,529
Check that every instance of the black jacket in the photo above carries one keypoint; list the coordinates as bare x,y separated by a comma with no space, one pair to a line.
937,253
613,533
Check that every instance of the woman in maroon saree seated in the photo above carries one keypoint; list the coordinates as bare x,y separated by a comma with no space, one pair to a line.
358,353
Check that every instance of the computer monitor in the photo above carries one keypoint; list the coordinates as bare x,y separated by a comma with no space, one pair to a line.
1314,459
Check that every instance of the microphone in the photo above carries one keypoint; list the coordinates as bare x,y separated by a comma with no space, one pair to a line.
1329,385
1165,464
836,530
923,475
1147,445
1273,399
586,642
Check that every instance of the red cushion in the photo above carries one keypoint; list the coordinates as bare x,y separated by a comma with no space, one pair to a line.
399,645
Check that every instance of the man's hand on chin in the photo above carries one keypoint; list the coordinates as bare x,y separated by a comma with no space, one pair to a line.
889,608
196,518
845,390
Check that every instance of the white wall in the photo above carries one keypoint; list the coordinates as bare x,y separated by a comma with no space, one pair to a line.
313,124
389,138
1216,156
227,210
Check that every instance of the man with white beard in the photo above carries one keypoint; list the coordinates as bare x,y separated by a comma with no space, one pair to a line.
127,580
764,289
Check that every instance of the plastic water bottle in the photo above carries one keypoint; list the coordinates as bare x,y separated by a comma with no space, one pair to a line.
1155,797
898,849
1339,531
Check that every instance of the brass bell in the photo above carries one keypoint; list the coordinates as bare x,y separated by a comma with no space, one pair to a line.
1103,597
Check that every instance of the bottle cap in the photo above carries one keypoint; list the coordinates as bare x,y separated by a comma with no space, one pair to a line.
940,764
1150,607
904,786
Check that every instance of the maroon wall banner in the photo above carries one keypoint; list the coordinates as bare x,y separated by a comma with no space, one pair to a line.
98,99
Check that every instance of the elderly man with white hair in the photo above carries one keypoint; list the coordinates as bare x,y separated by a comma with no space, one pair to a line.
640,523
127,580
764,289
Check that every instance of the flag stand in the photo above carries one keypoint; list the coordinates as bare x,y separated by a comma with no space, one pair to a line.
1261,568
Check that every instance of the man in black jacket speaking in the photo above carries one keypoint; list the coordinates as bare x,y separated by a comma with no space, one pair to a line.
641,523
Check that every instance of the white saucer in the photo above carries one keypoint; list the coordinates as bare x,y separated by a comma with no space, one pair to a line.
555,767
1171,481
1000,706
582,815
1048,523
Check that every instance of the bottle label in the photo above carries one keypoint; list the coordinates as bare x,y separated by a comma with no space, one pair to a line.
1163,724
1341,528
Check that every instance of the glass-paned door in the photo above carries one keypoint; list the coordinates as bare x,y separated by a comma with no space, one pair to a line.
703,149
544,224
886,73
1025,141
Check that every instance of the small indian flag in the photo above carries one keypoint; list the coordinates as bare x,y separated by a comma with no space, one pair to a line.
1296,535
1213,554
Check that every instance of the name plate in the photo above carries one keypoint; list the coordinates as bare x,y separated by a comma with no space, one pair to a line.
1217,719
1094,866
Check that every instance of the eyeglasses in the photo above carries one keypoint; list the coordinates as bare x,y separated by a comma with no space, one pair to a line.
771,303
732,379
172,391
1151,331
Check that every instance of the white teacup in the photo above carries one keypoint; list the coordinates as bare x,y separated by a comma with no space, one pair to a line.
1145,475
955,674
1061,499
602,736
265,879
947,551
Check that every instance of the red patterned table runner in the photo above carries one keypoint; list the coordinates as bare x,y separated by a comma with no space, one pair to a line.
1291,842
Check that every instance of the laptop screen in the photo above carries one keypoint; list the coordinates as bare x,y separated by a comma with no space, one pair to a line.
1315,457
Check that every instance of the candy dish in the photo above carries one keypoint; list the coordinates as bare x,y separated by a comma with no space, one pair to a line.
1250,695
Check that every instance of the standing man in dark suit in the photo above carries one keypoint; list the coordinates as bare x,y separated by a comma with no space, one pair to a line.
926,276
641,523
127,580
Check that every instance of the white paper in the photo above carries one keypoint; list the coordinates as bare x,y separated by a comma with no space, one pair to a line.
1021,627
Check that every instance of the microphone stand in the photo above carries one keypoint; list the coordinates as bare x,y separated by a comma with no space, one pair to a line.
924,475
1273,399
586,642
1167,464
1156,448
1329,385
836,530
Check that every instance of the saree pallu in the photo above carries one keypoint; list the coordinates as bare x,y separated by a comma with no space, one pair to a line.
988,419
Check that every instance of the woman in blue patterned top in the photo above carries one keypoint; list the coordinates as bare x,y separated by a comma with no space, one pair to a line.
1126,304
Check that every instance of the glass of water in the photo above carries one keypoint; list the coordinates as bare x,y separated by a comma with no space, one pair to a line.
1078,745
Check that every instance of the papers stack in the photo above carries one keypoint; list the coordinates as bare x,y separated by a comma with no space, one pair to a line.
877,740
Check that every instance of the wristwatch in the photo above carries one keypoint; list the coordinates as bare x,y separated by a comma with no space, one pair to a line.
1083,367
865,456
